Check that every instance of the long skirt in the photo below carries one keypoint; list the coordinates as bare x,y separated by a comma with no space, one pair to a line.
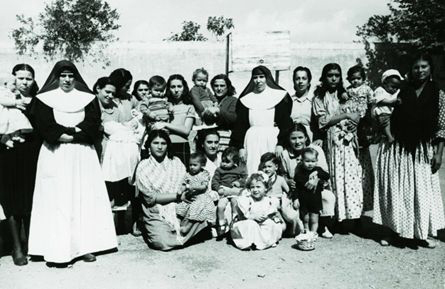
71,214
407,196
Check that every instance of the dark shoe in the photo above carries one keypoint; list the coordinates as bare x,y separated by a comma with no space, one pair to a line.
89,258
19,259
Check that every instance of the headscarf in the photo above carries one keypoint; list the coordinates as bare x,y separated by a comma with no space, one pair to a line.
73,101
52,82
270,82
270,99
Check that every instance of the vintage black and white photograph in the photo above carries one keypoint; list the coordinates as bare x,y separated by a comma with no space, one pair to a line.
222,144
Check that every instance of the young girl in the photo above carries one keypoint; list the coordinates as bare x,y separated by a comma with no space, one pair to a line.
279,188
309,200
196,184
12,121
257,223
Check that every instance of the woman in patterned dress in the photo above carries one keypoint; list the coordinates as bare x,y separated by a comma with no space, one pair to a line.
407,196
344,165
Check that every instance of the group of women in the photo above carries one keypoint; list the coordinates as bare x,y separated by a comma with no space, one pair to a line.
53,189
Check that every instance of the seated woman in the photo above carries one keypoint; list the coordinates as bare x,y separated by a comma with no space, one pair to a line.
159,180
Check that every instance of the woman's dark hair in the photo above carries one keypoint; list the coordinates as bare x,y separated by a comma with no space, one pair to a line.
200,157
308,73
162,134
136,87
101,83
120,77
421,56
274,159
321,90
202,135
301,128
355,69
230,89
184,97
26,67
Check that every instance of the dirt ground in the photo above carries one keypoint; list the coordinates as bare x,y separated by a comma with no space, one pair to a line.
347,261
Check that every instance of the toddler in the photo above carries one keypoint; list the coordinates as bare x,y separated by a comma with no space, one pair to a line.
309,200
257,223
203,100
355,100
196,186
385,98
156,108
228,180
13,123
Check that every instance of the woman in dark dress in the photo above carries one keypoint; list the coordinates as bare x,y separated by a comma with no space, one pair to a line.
18,170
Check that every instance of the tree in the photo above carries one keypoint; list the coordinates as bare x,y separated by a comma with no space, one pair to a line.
190,32
219,26
412,25
73,29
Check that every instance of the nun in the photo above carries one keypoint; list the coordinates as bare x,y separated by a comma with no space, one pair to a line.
71,215
263,118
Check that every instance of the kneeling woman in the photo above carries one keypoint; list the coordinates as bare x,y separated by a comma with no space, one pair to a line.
71,215
159,179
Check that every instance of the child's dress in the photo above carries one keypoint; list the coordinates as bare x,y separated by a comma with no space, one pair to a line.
203,207
121,154
246,232
12,120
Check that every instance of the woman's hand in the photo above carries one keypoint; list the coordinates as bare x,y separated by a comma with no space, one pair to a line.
312,182
354,117
21,104
291,184
260,218
65,138
436,162
351,126
278,151
76,129
243,155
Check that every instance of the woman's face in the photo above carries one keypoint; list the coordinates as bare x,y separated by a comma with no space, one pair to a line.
106,94
211,144
24,81
142,90
421,70
259,80
176,88
297,140
158,147
333,78
220,88
66,80
301,81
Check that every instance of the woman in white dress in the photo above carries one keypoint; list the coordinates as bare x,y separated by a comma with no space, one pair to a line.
71,215
263,118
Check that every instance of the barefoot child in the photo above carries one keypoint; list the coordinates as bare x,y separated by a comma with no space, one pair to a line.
385,98
257,223
309,183
196,184
228,181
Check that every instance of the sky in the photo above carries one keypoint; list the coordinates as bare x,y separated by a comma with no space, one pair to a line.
154,20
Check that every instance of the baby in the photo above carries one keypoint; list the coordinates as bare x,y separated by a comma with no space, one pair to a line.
203,100
385,98
156,108
228,180
309,200
13,123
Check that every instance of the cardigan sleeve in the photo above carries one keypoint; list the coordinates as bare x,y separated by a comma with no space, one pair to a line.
241,127
283,120
42,118
90,125
227,114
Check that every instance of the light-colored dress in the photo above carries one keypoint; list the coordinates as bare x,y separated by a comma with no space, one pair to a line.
344,166
302,111
71,214
246,232
407,196
261,137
